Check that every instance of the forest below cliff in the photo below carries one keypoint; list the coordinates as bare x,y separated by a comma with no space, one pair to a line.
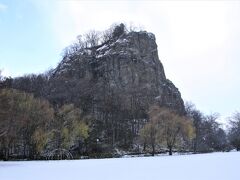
108,97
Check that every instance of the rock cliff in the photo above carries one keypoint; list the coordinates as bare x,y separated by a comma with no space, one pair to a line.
126,69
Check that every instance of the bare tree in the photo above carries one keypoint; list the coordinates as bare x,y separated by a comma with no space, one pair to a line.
174,128
92,39
234,131
149,135
167,128
197,118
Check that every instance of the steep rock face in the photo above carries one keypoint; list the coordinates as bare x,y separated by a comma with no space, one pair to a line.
125,72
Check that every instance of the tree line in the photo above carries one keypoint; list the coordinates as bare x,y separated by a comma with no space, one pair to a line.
194,132
32,128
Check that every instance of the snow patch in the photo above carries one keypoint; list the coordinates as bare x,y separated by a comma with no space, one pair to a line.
214,166
151,36
122,41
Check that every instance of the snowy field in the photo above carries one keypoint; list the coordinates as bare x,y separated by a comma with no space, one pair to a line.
215,166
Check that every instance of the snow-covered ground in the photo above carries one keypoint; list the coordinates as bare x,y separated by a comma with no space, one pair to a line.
215,166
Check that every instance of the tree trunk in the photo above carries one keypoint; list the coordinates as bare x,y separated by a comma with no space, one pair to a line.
170,151
153,149
144,146
6,154
194,146
32,152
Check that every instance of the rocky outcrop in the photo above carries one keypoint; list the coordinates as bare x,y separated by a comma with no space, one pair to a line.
126,69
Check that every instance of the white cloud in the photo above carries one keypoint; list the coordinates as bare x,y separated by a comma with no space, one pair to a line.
3,7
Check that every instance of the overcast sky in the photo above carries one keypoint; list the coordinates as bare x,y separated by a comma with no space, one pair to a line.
198,42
